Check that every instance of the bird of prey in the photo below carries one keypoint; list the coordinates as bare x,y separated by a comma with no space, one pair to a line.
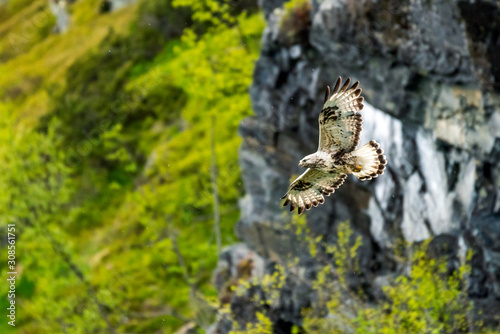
337,156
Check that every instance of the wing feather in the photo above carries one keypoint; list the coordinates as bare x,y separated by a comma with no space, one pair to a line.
339,121
310,187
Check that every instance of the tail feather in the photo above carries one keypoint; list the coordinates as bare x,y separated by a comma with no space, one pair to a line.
370,160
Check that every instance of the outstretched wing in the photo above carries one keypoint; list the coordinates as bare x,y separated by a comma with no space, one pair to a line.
339,122
308,189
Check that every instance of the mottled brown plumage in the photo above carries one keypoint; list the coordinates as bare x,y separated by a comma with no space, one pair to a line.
340,126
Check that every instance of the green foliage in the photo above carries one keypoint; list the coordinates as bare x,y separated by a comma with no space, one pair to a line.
158,21
217,14
110,117
27,23
214,12
263,326
426,298
36,189
344,252
28,76
270,286
32,172
112,189
216,83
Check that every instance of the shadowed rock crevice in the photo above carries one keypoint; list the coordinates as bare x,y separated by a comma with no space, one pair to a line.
483,29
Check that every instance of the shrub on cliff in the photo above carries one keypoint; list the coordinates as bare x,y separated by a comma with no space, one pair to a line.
425,298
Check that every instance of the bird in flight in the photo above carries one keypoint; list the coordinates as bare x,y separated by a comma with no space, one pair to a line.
337,156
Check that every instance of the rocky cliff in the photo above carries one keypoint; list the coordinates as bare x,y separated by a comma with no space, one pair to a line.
430,74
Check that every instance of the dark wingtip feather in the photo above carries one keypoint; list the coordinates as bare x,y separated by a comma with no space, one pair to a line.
286,202
337,85
300,210
327,94
346,84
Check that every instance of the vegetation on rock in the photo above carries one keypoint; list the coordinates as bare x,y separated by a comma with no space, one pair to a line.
426,298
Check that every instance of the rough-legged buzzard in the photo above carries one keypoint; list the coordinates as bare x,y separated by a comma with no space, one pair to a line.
337,156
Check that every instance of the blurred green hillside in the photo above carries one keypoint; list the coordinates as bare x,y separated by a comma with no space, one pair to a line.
106,159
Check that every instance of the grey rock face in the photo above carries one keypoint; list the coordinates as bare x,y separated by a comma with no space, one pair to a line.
432,102
268,6
60,11
118,4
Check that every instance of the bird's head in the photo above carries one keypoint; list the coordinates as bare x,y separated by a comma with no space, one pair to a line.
309,161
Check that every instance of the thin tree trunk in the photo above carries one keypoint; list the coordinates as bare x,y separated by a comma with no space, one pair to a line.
215,189
202,310
182,262
243,39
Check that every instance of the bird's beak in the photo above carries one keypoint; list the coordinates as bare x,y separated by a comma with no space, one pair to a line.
301,164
